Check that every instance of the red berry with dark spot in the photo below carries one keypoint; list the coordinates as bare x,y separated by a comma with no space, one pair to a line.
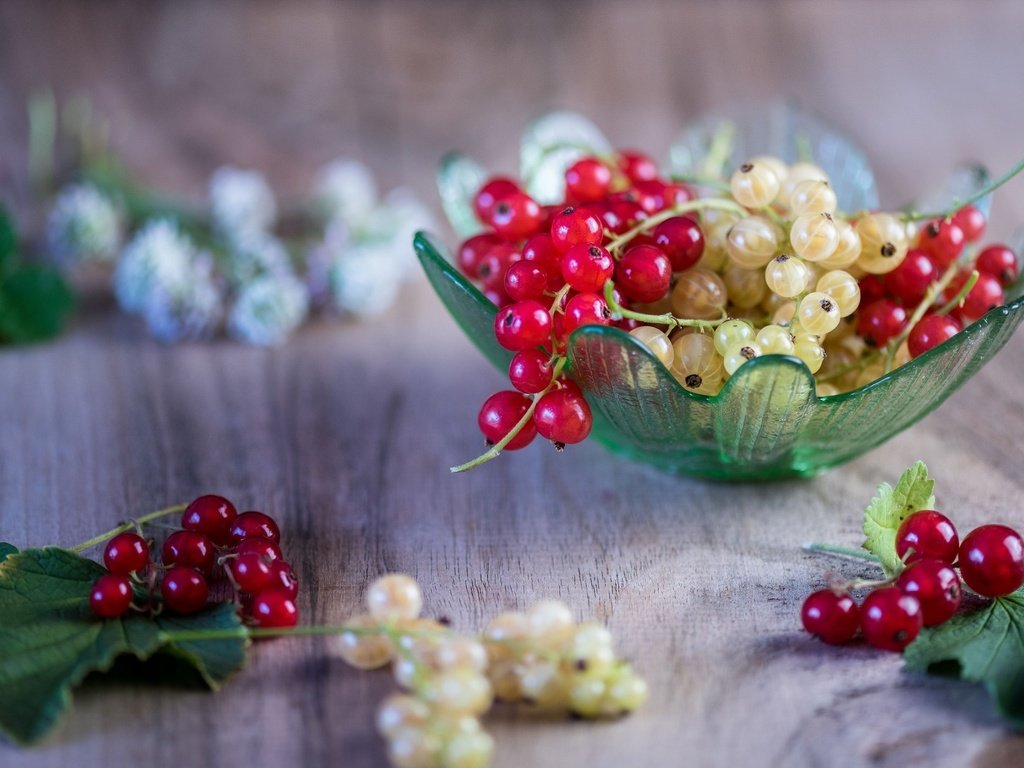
587,267
682,240
253,523
516,216
522,325
493,190
110,596
210,515
999,261
587,180
833,617
500,413
643,273
987,294
575,226
190,549
890,619
126,553
274,608
936,585
530,371
971,221
637,166
585,309
930,534
911,279
880,321
541,251
492,267
650,195
992,560
472,252
184,590
930,331
942,240
563,417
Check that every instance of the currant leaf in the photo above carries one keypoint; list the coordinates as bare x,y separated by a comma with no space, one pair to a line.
890,507
34,301
985,646
50,641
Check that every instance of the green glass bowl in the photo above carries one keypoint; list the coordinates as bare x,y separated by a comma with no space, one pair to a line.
767,421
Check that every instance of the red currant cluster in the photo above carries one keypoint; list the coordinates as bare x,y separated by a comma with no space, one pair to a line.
928,590
214,541
888,301
546,268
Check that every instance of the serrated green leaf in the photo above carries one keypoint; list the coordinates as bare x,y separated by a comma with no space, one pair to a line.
6,549
987,646
50,640
34,302
8,236
890,508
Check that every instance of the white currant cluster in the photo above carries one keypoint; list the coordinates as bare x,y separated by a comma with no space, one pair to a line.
246,279
541,657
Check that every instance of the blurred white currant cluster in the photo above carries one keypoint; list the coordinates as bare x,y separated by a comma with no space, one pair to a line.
231,271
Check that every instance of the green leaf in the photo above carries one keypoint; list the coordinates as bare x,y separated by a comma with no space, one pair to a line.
890,507
34,301
6,549
985,646
8,236
50,640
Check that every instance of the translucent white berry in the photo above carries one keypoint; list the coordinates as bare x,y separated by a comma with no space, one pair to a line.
818,313
656,341
753,241
814,236
364,651
394,596
746,287
842,287
739,354
754,185
812,196
775,340
787,276
400,710
731,333
883,243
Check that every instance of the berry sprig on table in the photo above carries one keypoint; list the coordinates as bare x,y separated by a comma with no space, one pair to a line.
222,583
765,265
918,607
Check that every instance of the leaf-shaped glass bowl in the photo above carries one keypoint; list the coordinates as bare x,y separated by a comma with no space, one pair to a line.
767,422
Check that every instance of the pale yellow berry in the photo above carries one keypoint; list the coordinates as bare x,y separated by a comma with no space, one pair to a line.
551,621
364,651
797,173
883,243
656,341
842,287
775,340
739,354
814,236
697,365
784,314
505,681
787,276
716,233
746,287
468,750
754,185
458,692
812,196
818,313
753,241
406,672
505,630
627,692
591,648
810,352
543,685
394,596
699,294
586,695
847,250
460,653
774,164
414,747
399,710
730,333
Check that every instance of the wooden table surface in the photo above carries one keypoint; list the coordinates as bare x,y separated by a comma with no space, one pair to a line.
346,432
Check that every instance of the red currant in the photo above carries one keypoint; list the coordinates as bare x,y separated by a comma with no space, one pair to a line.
911,279
265,548
110,596
971,221
500,413
284,577
587,267
492,267
541,251
254,523
931,331
585,309
190,549
936,585
992,560
644,273
930,534
880,321
251,572
575,226
493,190
126,553
831,616
516,216
184,589
211,515
987,294
677,194
999,261
530,371
523,325
637,166
682,240
872,288
587,180
943,240
563,417
525,280
651,196
890,619
472,252
274,608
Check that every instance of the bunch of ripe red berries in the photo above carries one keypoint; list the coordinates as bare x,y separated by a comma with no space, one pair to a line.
765,264
215,545
928,590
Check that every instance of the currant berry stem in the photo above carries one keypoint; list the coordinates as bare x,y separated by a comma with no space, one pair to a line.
832,549
127,526
957,300
618,312
983,192
715,203
932,293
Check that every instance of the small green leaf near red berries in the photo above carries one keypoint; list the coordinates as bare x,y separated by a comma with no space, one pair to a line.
890,507
50,640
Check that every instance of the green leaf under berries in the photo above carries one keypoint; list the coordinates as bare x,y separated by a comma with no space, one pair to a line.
984,646
6,549
50,640
34,301
890,507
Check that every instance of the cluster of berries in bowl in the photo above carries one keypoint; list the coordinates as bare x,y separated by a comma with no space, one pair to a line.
215,548
927,591
763,263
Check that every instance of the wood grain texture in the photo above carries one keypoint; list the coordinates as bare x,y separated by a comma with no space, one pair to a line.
346,432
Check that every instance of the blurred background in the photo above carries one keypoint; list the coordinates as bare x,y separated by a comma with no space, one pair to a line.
188,85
